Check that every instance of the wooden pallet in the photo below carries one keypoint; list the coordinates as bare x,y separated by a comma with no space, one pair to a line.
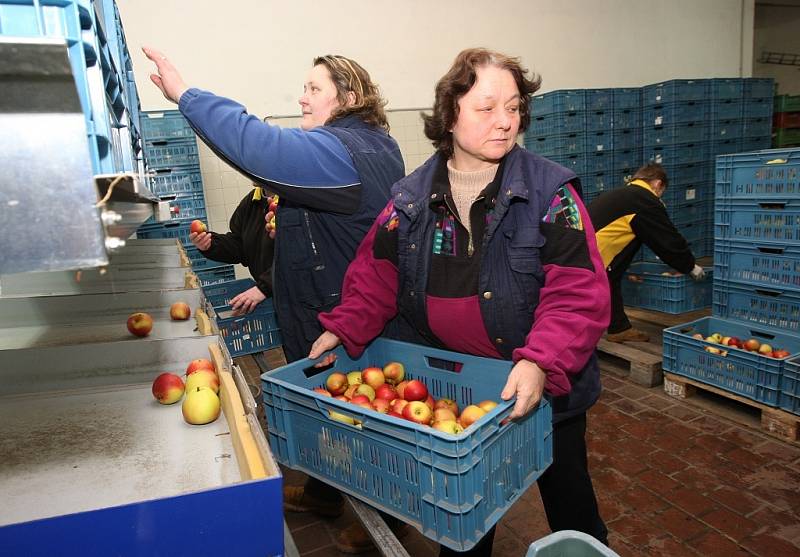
775,422
638,361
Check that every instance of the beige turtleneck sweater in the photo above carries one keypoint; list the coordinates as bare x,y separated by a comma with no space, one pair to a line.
465,188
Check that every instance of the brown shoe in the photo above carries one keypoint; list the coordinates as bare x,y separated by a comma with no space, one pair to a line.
354,539
296,499
629,335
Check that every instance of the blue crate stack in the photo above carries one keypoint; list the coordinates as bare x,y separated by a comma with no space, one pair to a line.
756,290
173,166
595,132
101,67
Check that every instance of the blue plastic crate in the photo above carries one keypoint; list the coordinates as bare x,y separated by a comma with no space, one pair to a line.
586,163
566,100
569,543
728,109
626,98
790,386
549,145
691,173
178,229
689,212
453,488
599,99
176,180
216,275
599,121
680,153
218,295
759,265
186,205
771,221
759,88
165,125
700,247
721,130
253,332
728,88
757,127
599,182
627,158
199,262
748,374
690,132
171,154
676,90
626,119
626,140
757,108
676,113
646,286
725,147
559,123
750,144
764,306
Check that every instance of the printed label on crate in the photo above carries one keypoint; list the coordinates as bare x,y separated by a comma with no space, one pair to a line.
658,121
333,451
690,194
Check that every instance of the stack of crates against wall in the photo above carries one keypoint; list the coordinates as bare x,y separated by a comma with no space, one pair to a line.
173,169
107,99
756,291
786,121
676,132
594,132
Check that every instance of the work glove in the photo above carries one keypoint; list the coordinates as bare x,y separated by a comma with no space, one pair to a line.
697,273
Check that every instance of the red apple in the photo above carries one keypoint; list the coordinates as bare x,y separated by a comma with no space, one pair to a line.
417,411
487,405
735,342
394,372
180,311
373,376
197,227
470,415
443,415
366,405
401,387
386,392
323,392
395,414
399,404
381,405
430,402
200,363
781,354
765,349
168,388
340,397
336,383
140,324
203,378
448,426
358,399
448,403
751,344
415,390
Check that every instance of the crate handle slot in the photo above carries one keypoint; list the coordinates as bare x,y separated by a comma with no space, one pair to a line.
159,143
761,334
771,293
162,171
313,370
772,204
446,365
771,250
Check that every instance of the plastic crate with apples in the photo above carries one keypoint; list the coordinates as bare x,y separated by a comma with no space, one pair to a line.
658,287
453,487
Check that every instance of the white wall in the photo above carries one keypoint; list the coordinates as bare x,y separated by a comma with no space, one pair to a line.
258,51
777,29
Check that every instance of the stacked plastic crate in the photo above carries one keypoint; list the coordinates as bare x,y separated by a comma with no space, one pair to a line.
101,67
756,298
173,166
786,121
594,132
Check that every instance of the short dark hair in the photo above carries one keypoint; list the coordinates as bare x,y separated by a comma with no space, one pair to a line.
652,171
459,79
349,77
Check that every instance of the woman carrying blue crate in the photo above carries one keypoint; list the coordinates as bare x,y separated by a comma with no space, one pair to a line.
487,249
333,176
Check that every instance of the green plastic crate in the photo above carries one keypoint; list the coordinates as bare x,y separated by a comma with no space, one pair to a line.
787,103
786,137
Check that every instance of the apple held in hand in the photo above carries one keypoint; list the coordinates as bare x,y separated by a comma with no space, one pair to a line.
197,227
394,372
415,390
203,378
180,311
417,411
198,364
201,406
140,324
168,388
336,383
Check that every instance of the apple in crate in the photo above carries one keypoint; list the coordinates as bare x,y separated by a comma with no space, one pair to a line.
417,411
323,392
180,311
443,415
394,372
381,405
386,392
398,405
448,426
448,403
354,378
751,344
401,389
430,402
201,406
197,227
336,383
351,391
373,376
781,354
415,390
765,349
358,399
470,415
140,324
487,405
366,390
198,364
168,388
203,378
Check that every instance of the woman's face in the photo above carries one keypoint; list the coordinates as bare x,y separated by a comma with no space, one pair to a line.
319,98
488,120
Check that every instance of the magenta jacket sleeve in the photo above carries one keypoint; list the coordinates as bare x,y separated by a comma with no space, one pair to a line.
369,294
574,303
